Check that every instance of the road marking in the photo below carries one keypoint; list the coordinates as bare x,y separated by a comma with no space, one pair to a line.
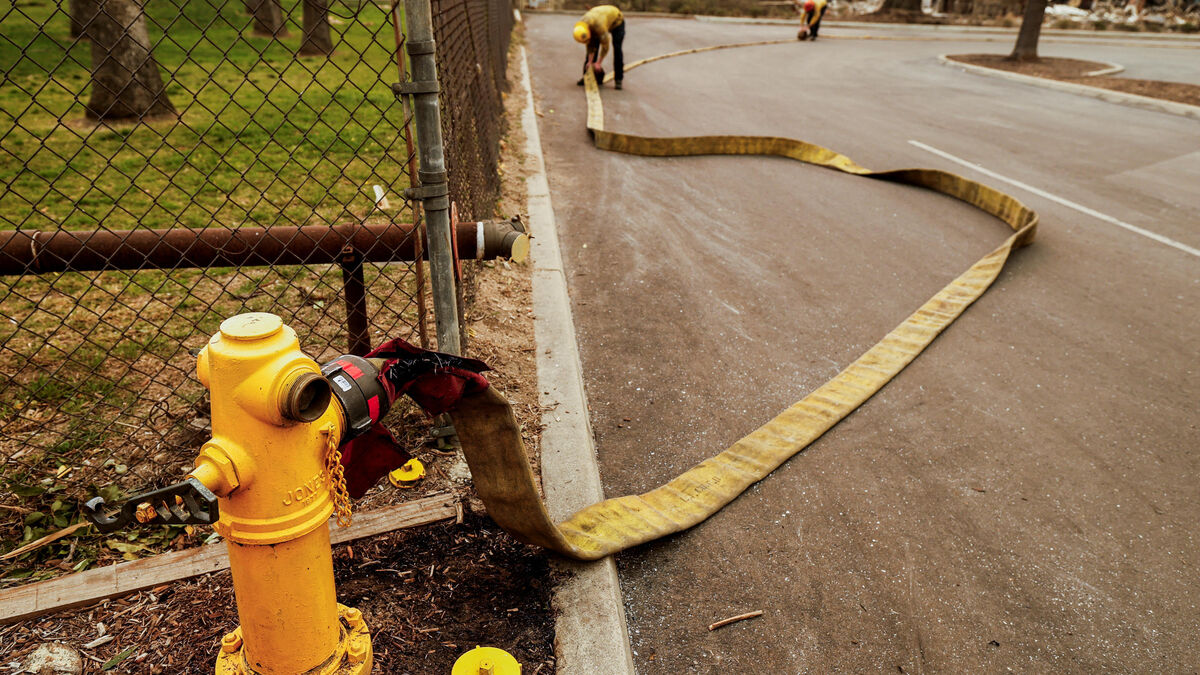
1065,202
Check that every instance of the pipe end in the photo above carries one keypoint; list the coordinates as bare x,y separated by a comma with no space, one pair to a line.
518,249
307,398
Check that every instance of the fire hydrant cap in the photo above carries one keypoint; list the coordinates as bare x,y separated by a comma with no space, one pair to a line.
251,326
412,471
486,661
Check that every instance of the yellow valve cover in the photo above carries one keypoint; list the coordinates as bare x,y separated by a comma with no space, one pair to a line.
486,661
412,471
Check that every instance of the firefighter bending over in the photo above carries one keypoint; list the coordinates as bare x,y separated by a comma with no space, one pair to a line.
600,26
811,12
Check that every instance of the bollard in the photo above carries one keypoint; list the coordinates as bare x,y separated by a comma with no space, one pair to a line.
275,439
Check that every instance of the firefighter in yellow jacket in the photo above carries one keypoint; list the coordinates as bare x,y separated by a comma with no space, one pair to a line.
811,12
601,25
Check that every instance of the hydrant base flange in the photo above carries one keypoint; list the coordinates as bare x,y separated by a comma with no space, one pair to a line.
353,655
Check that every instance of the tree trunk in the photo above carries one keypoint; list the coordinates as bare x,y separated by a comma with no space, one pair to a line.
82,12
125,79
1031,28
317,40
900,6
268,18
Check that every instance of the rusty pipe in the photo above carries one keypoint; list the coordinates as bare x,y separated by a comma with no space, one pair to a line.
23,252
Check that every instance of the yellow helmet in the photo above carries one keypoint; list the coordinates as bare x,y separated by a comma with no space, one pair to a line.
582,32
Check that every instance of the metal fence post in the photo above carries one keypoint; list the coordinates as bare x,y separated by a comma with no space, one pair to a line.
433,189
354,288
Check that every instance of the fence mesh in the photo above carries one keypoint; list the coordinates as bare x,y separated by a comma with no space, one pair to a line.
212,115
472,51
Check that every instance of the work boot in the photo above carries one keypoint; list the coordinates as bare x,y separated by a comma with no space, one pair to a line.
617,85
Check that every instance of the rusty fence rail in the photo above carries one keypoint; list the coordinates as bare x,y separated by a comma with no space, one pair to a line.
166,164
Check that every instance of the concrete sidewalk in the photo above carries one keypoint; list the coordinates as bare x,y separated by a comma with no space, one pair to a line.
590,631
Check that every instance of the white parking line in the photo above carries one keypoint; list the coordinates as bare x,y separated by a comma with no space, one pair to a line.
1065,202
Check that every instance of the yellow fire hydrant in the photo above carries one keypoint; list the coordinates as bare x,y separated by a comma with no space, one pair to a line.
272,461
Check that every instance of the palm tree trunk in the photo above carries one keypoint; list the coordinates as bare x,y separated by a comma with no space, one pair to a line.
82,13
268,18
1031,29
126,82
317,40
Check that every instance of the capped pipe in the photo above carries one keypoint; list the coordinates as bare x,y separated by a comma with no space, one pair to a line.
24,252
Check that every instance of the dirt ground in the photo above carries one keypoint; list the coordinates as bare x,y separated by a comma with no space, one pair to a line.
894,16
1075,70
428,594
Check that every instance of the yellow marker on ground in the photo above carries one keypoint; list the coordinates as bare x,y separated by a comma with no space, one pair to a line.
407,475
486,661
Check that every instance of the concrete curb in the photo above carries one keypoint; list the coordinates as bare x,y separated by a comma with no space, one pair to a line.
1108,69
590,631
1118,97
1083,34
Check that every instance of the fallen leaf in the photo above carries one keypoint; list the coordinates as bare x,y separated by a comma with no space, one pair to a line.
112,663
129,549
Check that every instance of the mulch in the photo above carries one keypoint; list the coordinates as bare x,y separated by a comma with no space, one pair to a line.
1178,92
1075,70
428,595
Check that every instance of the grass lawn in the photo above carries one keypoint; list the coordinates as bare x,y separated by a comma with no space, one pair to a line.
96,384
263,137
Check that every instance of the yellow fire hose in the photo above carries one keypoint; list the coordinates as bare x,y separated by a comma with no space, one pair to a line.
491,438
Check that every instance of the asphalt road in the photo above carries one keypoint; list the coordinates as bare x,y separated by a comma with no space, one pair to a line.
1025,495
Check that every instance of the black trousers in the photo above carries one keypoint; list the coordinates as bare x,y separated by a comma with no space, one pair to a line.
816,25
618,37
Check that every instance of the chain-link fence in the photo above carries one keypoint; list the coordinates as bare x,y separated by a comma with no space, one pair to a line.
166,164
472,52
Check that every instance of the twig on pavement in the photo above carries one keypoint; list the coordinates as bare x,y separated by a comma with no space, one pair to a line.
734,619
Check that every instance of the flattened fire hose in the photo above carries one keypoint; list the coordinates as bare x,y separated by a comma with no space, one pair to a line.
491,438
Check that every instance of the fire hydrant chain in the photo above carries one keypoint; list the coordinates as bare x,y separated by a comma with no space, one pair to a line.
335,476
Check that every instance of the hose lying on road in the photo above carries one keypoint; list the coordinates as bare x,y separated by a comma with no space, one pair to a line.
491,438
